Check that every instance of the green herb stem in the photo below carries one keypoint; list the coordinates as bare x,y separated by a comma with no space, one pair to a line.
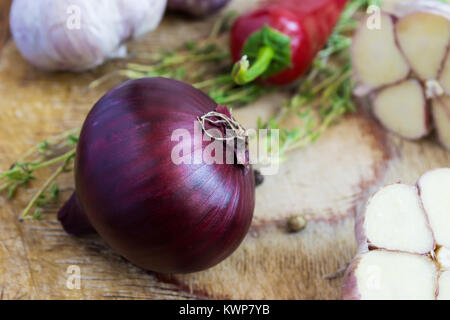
45,186
324,94
51,141
44,154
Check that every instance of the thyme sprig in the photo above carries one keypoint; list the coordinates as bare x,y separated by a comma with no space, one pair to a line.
192,62
324,94
56,150
39,197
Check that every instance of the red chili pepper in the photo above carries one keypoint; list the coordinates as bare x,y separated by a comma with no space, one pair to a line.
279,41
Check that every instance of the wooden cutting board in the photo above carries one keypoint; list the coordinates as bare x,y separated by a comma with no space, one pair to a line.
327,182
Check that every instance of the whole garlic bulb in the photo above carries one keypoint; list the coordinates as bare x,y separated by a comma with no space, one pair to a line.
77,35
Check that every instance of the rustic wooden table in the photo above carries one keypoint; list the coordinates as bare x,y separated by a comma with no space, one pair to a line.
4,22
327,182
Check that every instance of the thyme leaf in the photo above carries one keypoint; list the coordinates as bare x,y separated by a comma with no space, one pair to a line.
324,94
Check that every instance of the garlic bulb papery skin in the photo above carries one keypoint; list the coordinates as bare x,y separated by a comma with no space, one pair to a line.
78,35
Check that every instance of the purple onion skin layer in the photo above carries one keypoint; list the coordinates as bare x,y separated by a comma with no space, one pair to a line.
73,218
197,8
160,216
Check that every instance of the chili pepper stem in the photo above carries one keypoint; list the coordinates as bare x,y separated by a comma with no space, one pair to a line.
244,73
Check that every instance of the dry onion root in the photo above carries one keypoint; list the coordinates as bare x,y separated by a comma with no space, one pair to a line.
404,66
404,242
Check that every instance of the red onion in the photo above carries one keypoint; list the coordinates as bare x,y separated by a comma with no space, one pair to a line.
161,216
197,8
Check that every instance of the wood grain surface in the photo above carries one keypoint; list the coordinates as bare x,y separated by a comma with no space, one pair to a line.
327,182
4,21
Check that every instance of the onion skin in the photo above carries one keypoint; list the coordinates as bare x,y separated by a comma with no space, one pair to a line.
196,8
73,218
349,288
160,216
